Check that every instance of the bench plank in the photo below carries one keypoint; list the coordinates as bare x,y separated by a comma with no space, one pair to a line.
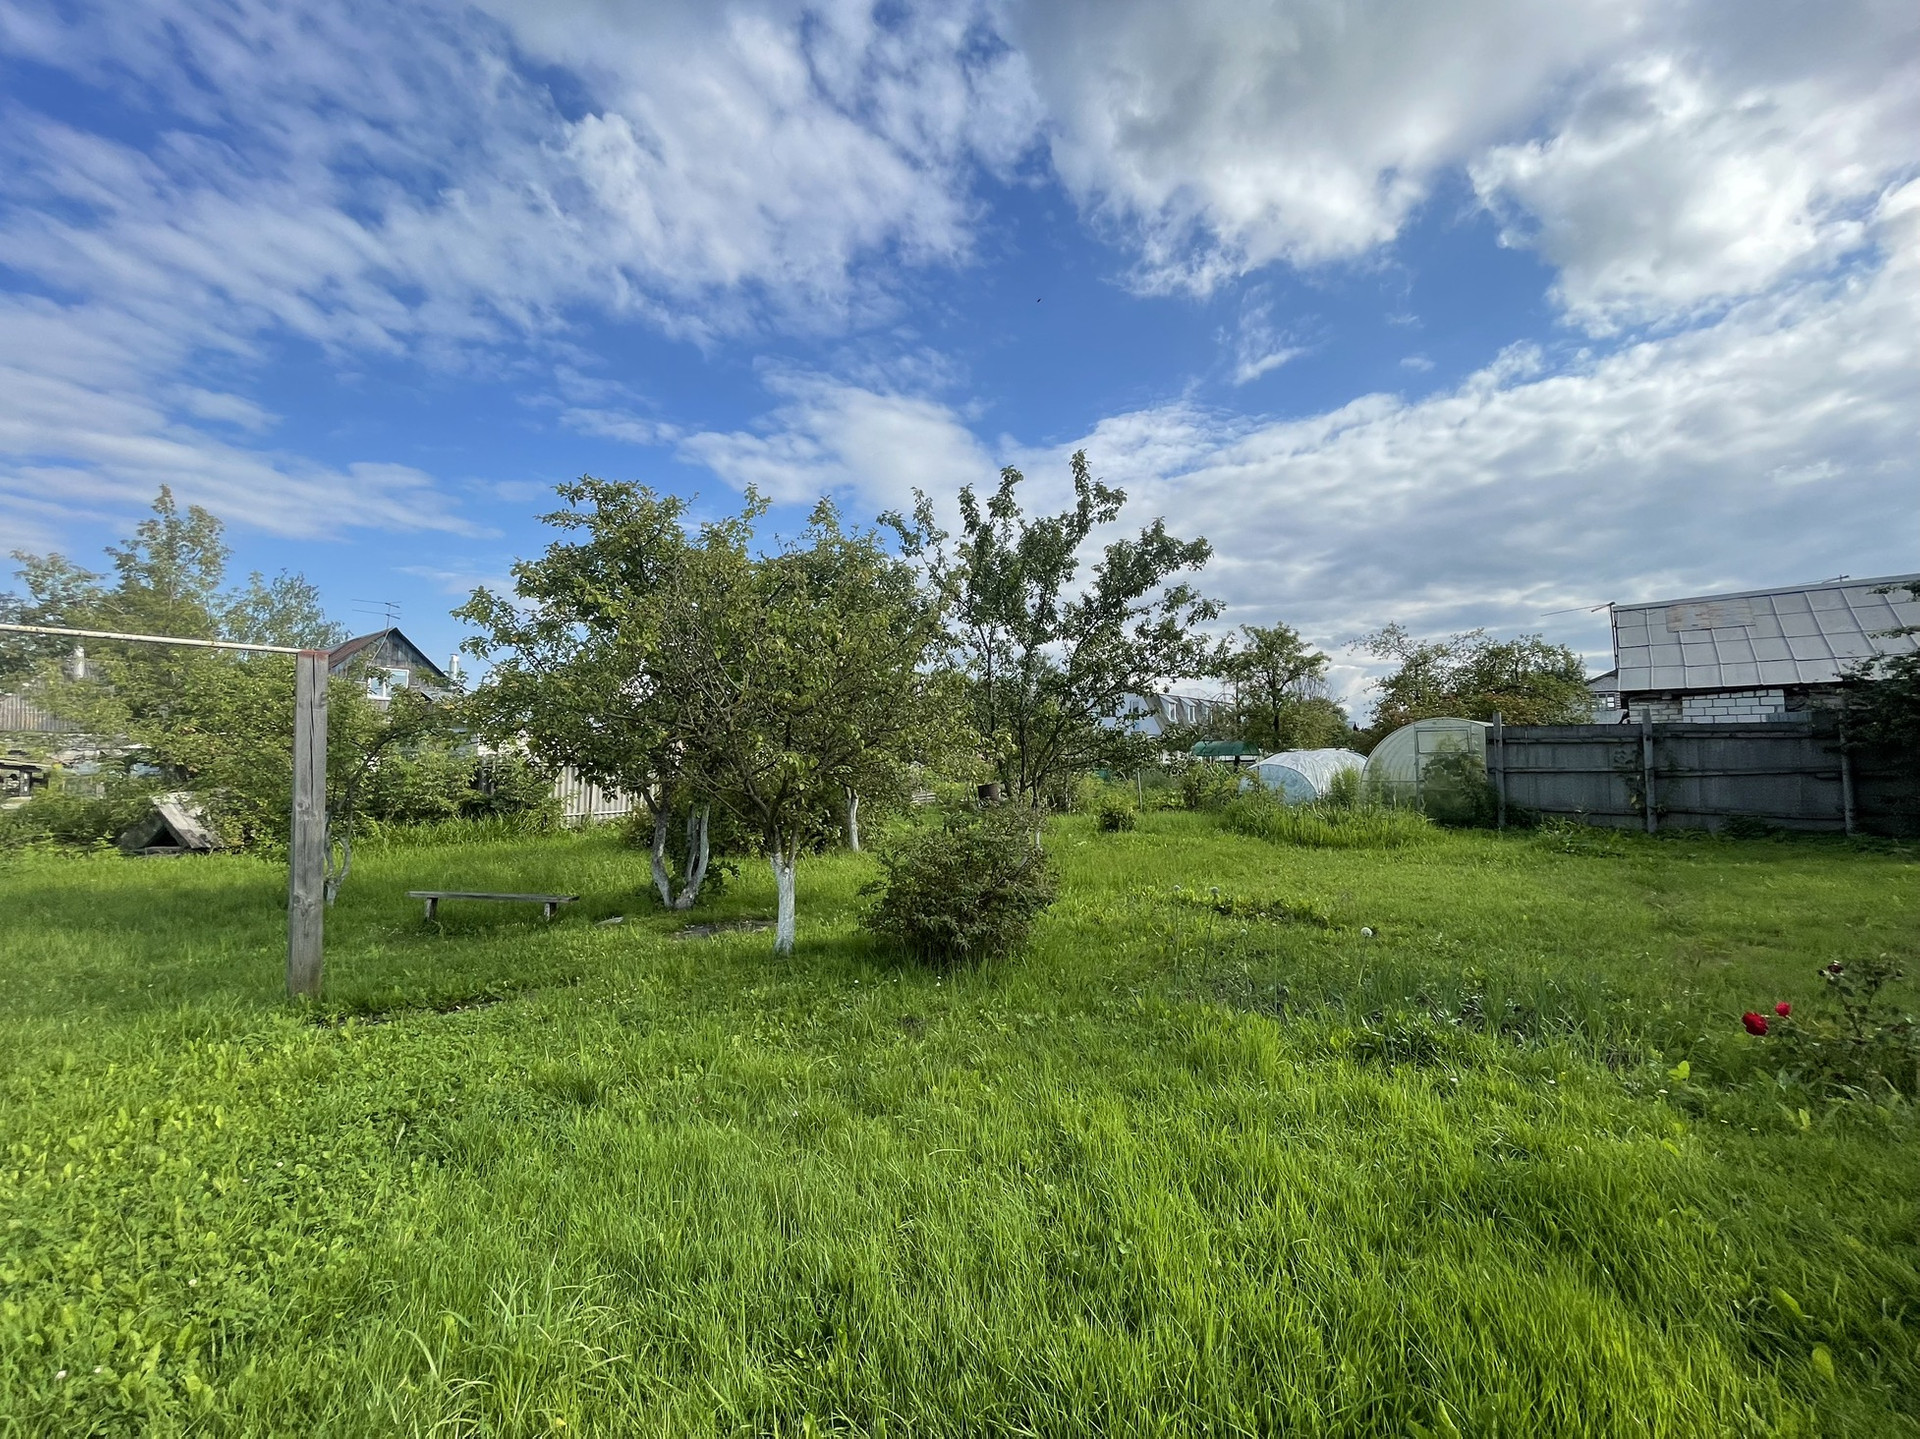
549,903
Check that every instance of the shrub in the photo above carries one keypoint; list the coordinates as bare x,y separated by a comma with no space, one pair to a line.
1209,786
1116,816
1343,790
1324,826
967,890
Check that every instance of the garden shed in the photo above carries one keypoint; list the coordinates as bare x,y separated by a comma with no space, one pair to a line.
1398,767
1302,775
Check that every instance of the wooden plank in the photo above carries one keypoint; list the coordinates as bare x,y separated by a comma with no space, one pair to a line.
489,894
307,871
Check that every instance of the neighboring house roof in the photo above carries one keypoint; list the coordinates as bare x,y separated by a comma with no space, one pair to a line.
1752,639
388,647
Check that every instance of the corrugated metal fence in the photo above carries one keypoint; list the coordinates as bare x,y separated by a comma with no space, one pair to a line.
20,715
1700,776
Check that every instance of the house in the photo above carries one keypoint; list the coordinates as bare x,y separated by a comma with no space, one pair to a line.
1755,654
389,661
1154,714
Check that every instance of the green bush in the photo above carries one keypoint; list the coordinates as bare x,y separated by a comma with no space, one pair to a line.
1209,786
1115,816
1455,791
1324,826
967,890
58,815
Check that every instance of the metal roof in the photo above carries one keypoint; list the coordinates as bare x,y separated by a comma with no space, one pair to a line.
1754,639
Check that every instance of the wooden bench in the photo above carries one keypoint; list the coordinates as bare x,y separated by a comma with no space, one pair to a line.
549,903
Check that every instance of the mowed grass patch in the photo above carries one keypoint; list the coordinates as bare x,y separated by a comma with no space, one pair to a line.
1198,1163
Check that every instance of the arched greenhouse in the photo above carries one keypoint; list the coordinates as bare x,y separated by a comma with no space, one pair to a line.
1302,775
1428,752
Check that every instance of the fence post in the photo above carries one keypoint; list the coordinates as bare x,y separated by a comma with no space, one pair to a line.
1646,769
1846,777
1500,763
307,870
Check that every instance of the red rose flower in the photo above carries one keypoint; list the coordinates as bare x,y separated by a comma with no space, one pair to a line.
1783,1009
1755,1023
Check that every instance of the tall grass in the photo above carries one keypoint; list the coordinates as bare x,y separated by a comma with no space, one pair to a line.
1231,1166
1327,825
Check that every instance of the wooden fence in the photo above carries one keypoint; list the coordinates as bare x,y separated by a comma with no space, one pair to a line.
582,802
1795,775
20,715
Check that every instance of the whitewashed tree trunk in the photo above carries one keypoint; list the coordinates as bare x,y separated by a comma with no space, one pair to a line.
783,926
697,854
661,882
853,821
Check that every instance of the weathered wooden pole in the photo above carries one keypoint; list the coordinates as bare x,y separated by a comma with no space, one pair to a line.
307,868
1646,770
1500,763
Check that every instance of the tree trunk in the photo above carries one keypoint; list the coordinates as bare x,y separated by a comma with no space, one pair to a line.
697,854
661,882
853,821
783,925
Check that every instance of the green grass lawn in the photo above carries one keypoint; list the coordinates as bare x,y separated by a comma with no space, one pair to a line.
1196,1164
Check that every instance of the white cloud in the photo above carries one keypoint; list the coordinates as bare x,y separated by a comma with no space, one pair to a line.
1773,445
1226,136
1696,173
401,182
830,438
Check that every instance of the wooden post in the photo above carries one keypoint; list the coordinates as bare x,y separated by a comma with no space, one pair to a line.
1848,818
1500,762
1646,769
307,870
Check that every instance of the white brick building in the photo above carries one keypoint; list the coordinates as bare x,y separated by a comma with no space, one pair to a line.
1755,655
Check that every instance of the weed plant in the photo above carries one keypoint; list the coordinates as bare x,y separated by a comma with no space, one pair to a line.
1322,825
1458,1137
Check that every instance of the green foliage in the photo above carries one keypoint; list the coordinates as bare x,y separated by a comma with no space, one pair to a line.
965,891
1205,785
1052,664
1326,826
840,1194
1473,675
66,815
1883,694
1855,1039
1455,791
1279,692
1116,816
700,670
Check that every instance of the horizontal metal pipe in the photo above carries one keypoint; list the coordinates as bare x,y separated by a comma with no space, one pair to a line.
151,639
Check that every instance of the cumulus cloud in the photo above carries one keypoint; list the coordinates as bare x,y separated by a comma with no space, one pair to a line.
403,182
1775,444
1223,137
1694,173
831,438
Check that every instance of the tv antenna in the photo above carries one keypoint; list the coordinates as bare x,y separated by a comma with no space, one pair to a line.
388,609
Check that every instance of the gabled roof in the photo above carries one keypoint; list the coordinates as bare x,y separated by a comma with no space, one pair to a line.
1802,635
390,643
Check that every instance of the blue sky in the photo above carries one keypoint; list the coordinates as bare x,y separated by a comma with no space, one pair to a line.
1441,313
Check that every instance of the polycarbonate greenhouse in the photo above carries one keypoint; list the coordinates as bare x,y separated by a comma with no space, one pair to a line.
1397,770
1302,775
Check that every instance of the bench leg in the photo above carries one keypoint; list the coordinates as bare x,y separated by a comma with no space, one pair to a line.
551,909
433,906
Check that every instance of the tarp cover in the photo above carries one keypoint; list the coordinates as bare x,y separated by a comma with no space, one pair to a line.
1302,775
